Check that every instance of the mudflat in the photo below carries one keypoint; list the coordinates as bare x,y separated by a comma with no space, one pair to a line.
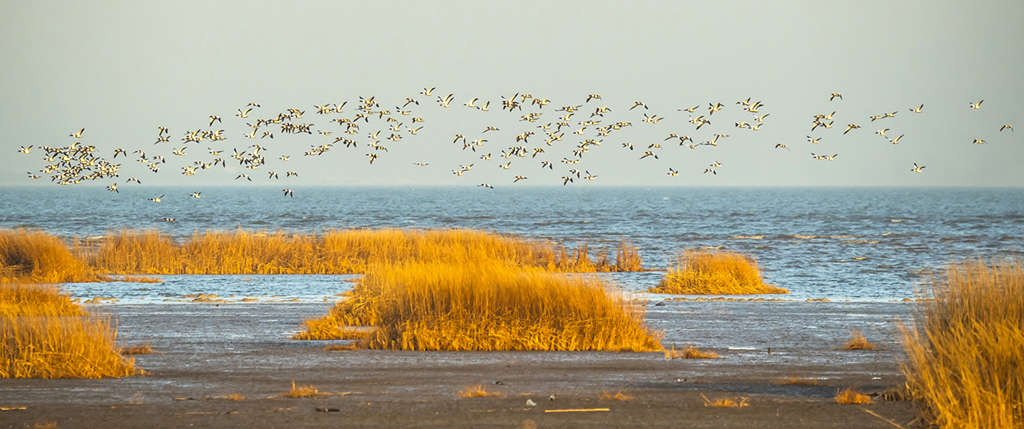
203,353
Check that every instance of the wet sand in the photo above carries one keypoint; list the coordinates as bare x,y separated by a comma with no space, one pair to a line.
204,351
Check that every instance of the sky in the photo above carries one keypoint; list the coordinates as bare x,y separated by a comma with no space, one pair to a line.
121,69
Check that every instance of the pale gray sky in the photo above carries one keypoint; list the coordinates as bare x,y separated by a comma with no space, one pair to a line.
120,69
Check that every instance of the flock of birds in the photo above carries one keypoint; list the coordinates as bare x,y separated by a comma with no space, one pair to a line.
587,125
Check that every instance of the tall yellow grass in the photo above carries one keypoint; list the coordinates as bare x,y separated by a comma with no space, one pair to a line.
333,252
38,257
966,348
486,305
44,335
714,273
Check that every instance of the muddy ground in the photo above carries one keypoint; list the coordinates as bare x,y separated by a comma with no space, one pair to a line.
204,352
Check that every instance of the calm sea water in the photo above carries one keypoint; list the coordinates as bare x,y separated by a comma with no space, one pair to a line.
860,244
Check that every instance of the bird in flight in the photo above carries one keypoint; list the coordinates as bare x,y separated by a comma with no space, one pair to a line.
917,168
977,106
288,193
672,172
834,96
196,195
917,109
157,199
77,134
1004,127
27,149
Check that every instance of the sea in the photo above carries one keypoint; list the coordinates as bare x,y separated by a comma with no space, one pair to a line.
839,244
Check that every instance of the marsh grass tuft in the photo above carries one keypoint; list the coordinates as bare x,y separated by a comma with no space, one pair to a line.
304,391
714,273
478,391
690,352
797,381
858,342
486,305
43,334
618,396
137,349
726,402
849,396
966,347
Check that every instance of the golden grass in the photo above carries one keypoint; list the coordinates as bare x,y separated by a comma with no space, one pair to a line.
858,342
137,349
850,396
726,402
486,305
714,273
333,252
966,348
478,391
18,300
45,335
690,352
38,257
231,397
618,396
304,391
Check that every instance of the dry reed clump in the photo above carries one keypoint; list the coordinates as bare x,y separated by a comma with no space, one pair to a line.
38,257
478,391
850,396
45,335
690,352
714,273
305,391
797,381
858,342
333,252
137,349
726,402
966,348
618,396
486,305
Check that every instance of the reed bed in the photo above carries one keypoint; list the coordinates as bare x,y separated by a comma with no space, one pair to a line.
714,273
19,299
38,257
45,335
486,305
334,252
966,347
